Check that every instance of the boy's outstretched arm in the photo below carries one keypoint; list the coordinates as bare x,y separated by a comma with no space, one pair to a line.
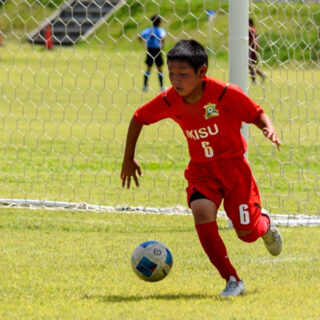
130,167
265,124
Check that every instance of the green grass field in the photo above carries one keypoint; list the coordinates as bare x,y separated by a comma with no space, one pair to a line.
75,265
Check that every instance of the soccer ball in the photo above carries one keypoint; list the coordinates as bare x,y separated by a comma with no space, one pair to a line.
151,261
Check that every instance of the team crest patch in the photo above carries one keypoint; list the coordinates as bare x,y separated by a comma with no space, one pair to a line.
211,111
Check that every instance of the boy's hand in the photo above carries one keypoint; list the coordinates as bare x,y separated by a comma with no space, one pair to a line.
130,168
271,134
265,124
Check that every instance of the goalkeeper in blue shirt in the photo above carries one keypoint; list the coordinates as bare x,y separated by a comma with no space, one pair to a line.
153,39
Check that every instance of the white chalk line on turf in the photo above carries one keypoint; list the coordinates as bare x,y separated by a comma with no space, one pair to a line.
283,260
289,220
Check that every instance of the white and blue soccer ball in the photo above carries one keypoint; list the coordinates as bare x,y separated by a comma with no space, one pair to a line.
151,261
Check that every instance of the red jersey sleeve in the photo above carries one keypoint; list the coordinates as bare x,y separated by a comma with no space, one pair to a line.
240,105
153,111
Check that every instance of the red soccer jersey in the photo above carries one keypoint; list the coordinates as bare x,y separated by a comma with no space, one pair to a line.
211,125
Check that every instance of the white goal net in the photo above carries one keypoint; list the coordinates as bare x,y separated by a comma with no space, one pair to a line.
71,76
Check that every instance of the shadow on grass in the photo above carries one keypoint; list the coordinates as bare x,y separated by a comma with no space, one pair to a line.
135,298
113,298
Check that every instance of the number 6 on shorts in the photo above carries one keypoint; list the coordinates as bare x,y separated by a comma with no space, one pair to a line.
244,214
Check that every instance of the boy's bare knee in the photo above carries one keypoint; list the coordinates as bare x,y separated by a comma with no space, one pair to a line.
203,211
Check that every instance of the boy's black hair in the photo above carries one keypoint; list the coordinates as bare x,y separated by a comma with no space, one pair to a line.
251,23
189,51
156,20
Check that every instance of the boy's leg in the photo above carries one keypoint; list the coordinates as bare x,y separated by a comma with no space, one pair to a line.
149,62
205,213
252,73
259,230
242,206
159,64
271,237
146,78
252,65
204,199
160,76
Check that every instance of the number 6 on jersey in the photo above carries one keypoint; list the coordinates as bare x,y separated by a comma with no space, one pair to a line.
208,151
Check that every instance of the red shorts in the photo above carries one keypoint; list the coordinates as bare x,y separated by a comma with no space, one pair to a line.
231,180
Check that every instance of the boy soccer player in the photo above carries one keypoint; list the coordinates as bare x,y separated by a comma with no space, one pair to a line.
210,113
153,37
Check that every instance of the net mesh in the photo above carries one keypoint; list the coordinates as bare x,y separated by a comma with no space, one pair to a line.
65,112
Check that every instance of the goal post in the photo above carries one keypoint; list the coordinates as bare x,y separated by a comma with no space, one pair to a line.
65,112
238,52
238,49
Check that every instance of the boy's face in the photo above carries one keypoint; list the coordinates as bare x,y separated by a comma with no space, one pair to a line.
184,79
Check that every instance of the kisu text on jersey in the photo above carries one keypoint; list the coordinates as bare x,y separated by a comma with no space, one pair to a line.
202,133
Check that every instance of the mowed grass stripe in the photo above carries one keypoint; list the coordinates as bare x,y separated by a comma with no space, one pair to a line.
59,265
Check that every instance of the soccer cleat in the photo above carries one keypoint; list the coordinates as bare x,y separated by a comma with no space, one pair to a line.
272,239
145,88
233,288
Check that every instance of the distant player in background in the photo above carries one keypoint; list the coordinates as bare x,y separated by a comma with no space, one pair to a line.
210,113
153,38
253,53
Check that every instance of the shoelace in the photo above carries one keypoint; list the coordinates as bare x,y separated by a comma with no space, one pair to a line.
231,285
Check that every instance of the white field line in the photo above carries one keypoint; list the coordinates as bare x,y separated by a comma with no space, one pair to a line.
289,220
271,260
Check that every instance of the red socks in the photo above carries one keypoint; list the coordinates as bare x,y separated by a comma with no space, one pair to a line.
215,249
